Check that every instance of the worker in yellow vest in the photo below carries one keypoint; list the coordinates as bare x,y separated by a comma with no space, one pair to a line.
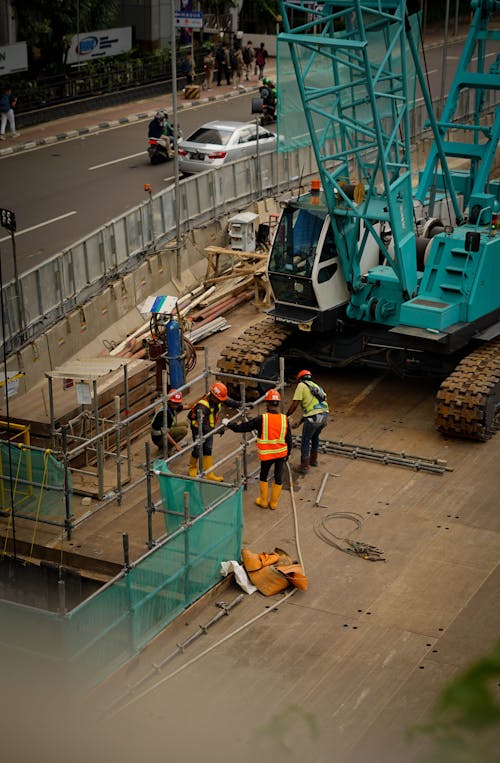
274,443
312,399
208,407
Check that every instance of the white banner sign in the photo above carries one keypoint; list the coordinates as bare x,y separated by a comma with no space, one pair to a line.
189,19
107,42
13,58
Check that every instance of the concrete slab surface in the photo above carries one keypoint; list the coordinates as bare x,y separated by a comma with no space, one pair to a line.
341,672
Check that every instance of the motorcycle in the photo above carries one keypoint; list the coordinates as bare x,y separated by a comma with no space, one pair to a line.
160,149
265,104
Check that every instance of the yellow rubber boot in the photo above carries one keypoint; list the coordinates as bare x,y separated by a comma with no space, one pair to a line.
207,467
262,499
275,494
193,466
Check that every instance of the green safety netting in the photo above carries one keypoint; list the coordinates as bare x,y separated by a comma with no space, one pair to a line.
109,628
33,481
333,85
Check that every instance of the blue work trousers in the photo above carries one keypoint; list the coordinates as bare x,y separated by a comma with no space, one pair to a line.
310,433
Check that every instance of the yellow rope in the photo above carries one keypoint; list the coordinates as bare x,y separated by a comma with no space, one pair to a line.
46,455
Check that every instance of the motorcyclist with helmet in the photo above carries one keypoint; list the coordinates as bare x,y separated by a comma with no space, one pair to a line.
158,129
156,126
269,97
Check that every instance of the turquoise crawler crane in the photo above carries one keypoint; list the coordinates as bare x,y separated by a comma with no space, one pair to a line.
379,264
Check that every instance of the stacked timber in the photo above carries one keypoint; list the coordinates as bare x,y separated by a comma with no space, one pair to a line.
202,310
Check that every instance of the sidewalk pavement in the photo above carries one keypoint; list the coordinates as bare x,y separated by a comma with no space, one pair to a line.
77,125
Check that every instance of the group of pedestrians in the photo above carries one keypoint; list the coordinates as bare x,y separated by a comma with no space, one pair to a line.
234,64
273,428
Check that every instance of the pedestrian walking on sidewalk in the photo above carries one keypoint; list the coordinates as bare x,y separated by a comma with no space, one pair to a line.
274,443
312,399
248,59
260,60
208,408
7,104
223,64
187,69
208,68
239,66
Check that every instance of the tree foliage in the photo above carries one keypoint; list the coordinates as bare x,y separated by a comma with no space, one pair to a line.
47,25
466,722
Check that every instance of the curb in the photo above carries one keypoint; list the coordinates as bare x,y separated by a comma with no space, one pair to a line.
109,124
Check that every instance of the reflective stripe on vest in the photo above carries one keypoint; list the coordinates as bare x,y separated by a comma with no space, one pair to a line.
212,413
272,444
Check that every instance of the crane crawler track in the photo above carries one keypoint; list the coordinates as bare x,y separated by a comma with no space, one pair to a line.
468,401
247,354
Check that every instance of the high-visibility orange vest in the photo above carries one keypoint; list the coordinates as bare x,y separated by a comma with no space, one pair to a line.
272,443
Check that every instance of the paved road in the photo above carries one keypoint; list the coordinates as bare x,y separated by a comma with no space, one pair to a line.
66,178
65,189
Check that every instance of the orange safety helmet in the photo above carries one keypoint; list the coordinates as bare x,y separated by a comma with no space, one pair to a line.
219,391
301,374
176,397
272,396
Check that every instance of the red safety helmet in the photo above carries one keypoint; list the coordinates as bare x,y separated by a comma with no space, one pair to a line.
301,374
219,391
272,396
176,397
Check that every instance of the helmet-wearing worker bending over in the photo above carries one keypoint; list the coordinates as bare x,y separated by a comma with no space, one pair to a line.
312,399
208,407
274,443
174,431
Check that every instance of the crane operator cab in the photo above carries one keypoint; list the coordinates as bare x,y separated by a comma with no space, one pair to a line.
304,270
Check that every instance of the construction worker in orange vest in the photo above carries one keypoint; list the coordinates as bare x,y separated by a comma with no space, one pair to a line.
209,408
274,443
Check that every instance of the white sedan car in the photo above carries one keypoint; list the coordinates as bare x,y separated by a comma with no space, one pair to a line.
216,143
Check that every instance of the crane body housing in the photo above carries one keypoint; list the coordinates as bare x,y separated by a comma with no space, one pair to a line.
370,266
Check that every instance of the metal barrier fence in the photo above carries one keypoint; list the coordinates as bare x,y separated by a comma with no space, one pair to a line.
204,527
40,484
70,278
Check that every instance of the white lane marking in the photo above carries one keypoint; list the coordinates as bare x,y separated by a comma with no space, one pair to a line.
488,55
40,225
115,161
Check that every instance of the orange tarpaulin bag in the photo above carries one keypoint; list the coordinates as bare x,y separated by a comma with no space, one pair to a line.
272,573
268,580
295,575
253,562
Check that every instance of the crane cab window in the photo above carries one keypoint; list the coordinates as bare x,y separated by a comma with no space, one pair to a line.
295,242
